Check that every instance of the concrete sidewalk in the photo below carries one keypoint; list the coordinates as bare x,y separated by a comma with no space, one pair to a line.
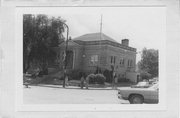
91,87
73,87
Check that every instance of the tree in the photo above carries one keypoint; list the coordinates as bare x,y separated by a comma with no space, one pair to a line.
40,34
149,62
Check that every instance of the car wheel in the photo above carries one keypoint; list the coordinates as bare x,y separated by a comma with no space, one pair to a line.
136,99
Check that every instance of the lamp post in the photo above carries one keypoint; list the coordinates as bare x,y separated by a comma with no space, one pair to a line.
66,47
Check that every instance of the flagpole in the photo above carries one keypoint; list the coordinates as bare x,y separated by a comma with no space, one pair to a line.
101,28
100,42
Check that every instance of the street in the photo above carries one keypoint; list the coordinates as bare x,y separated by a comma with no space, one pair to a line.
70,95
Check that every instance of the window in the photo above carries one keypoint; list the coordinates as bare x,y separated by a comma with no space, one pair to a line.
121,62
113,59
130,63
94,59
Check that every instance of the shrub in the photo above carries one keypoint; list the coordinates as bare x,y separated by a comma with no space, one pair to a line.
100,78
107,75
74,74
145,75
91,78
123,80
96,79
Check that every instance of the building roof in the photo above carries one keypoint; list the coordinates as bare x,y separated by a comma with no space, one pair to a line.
94,37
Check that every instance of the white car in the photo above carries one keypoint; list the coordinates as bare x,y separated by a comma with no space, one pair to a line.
140,95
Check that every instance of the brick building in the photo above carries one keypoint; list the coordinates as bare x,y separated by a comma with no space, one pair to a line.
89,51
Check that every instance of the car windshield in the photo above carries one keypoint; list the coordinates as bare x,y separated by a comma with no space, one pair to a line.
155,86
142,84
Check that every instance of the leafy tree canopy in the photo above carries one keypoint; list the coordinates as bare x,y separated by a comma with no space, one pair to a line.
149,62
40,34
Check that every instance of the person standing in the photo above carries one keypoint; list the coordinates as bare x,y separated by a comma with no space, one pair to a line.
82,81
113,80
87,82
66,81
112,75
64,78
116,80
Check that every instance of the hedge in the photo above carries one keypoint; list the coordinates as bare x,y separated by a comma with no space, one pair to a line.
96,79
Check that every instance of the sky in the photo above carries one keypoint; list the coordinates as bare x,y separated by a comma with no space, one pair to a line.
143,26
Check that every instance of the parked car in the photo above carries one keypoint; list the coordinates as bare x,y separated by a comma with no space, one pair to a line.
26,80
153,81
140,95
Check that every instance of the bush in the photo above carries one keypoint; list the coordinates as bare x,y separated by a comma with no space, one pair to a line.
145,75
91,78
74,75
100,78
123,80
107,75
96,79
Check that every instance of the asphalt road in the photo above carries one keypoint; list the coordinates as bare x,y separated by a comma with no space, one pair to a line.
70,95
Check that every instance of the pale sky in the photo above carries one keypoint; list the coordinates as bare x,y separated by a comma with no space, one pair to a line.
143,26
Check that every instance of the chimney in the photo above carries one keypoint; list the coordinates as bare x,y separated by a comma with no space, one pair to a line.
125,42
